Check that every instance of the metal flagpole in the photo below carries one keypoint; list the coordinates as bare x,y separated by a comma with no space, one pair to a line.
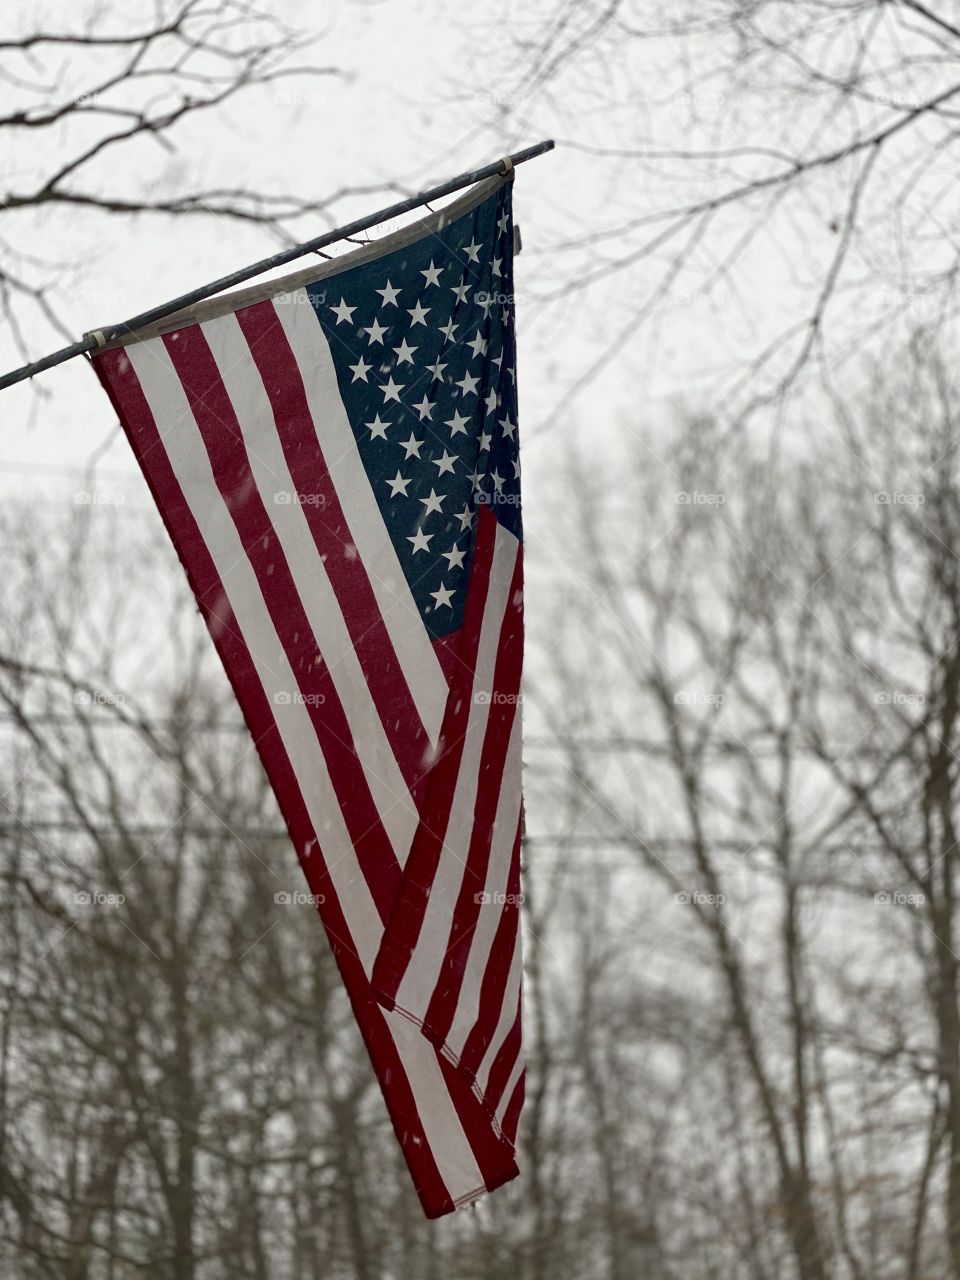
100,337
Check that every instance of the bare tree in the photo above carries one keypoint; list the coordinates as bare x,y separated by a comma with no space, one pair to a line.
774,178
113,115
788,627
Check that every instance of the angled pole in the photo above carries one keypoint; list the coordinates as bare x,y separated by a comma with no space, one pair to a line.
100,337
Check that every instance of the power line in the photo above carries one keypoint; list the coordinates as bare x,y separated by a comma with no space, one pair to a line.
157,831
537,742
74,469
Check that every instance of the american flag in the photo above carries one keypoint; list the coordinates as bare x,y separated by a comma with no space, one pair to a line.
335,458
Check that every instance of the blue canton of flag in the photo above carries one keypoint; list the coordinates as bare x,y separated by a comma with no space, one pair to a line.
427,373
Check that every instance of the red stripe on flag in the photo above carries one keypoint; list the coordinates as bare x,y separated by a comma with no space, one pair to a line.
216,420
497,971
501,715
385,677
503,1064
445,647
403,927
494,1156
511,1117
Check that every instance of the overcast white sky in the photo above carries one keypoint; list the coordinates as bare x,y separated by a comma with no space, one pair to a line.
391,116
427,90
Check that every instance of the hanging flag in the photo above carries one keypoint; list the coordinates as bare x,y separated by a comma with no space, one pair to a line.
335,458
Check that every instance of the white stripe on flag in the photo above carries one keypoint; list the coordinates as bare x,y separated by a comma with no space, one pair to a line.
185,449
423,971
410,639
508,1014
440,1122
497,882
511,1085
245,390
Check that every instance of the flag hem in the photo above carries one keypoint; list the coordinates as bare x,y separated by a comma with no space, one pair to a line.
441,1046
225,303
